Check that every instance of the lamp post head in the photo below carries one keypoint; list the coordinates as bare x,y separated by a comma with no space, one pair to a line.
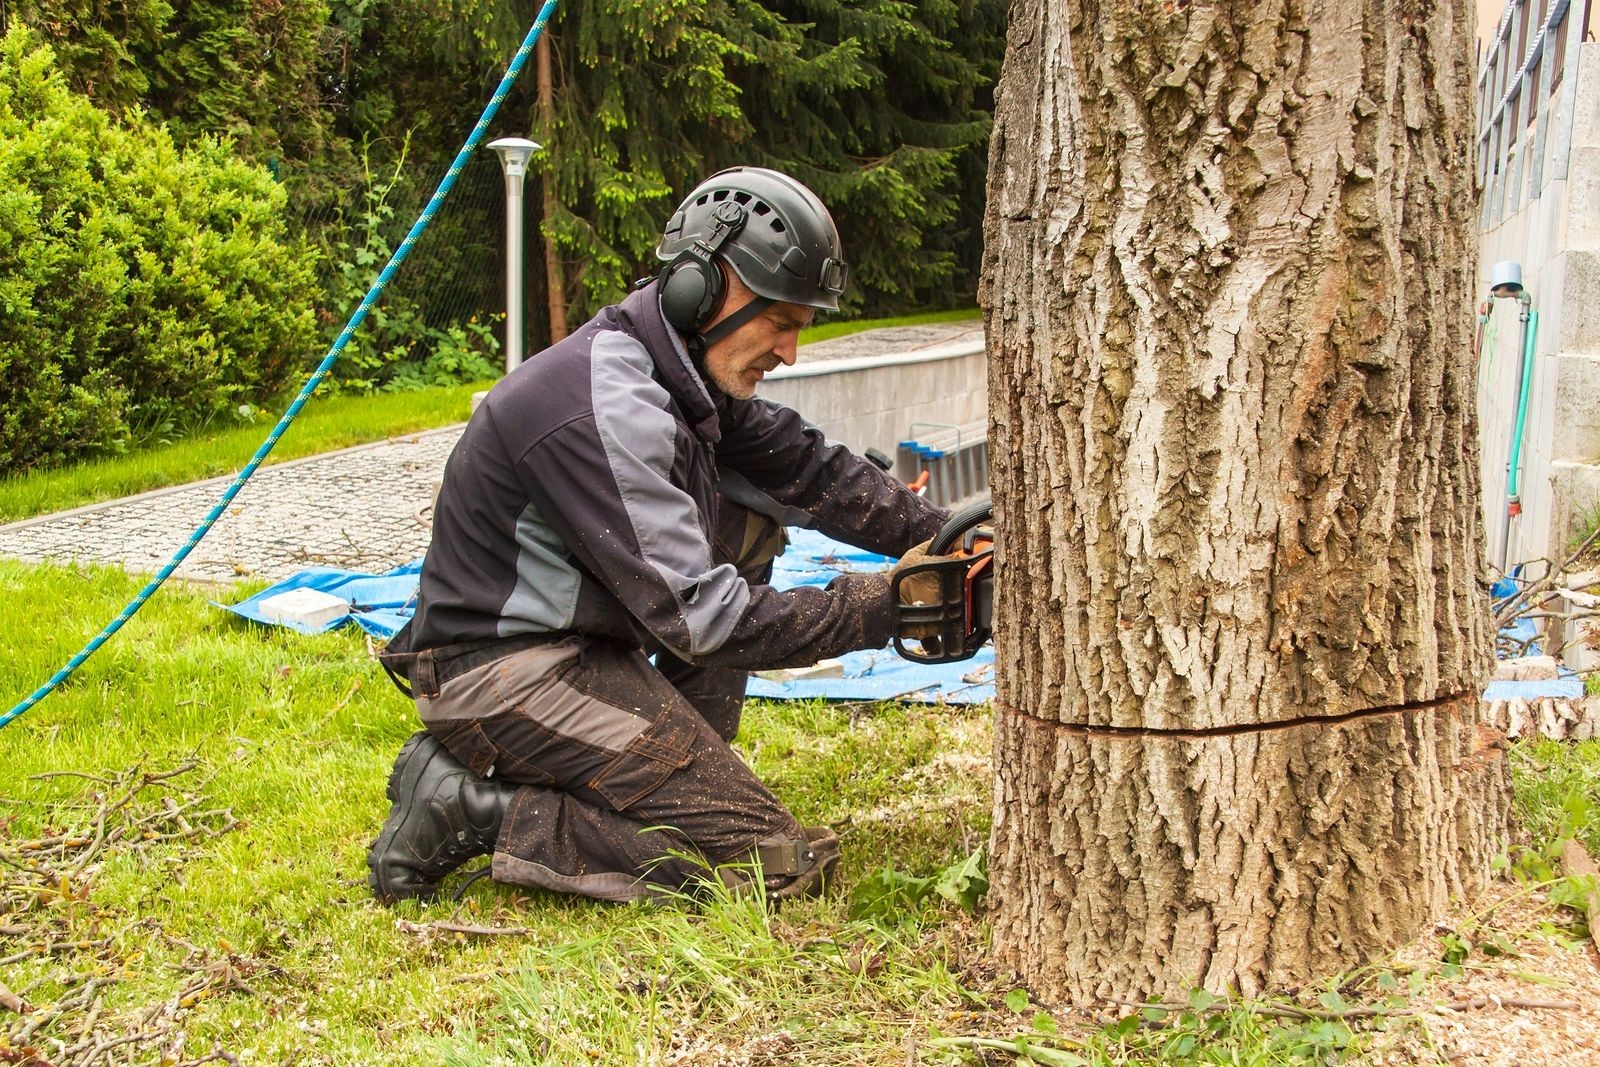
514,153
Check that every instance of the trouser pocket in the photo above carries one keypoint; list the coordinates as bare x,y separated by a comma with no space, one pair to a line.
463,739
504,745
641,768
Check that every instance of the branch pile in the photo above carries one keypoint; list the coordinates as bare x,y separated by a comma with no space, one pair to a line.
1560,614
66,952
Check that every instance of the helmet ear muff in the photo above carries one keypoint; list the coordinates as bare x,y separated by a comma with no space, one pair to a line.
692,286
691,291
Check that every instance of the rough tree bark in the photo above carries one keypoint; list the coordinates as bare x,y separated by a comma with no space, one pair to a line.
1228,291
555,278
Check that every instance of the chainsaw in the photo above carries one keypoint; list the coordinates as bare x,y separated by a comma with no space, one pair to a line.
958,624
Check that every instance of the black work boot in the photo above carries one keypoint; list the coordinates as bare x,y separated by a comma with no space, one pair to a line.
443,815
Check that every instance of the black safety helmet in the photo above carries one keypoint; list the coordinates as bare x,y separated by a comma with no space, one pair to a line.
775,234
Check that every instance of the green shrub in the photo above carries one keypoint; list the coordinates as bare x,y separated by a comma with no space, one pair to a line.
142,287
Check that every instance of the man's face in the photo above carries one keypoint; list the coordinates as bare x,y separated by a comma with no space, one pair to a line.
737,363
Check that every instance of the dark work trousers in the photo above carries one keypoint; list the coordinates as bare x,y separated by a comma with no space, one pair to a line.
628,781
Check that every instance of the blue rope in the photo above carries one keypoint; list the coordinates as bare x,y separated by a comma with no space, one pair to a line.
356,319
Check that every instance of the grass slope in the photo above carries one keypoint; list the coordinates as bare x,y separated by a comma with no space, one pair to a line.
828,330
324,425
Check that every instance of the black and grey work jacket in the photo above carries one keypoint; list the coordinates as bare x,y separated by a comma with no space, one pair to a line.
582,497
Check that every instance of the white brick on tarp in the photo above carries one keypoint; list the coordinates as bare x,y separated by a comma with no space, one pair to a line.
307,607
828,668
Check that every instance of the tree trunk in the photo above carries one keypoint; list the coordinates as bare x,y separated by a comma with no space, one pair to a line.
555,279
1228,294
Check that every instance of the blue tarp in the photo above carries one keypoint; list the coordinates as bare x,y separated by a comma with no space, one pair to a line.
1568,685
381,604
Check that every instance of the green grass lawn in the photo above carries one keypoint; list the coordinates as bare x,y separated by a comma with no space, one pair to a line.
293,737
229,904
828,330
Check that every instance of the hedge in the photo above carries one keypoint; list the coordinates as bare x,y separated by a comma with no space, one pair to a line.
143,288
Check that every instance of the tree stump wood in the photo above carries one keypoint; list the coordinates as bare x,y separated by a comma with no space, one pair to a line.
1241,633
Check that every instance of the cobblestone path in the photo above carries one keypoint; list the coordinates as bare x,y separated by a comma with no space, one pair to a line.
364,508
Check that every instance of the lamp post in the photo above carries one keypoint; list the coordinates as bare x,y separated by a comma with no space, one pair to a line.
514,153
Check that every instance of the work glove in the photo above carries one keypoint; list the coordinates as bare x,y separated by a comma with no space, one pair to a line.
919,588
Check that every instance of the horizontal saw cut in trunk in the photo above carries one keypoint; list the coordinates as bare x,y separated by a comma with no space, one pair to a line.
1239,625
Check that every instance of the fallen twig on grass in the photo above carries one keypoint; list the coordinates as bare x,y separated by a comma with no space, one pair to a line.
63,862
80,999
446,927
45,775
1038,1048
11,1002
349,695
1510,1002
135,811
854,708
55,948
217,1055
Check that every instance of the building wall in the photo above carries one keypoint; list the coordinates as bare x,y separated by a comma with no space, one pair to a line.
1539,170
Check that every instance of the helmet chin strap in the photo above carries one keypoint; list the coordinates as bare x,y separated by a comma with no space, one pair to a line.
722,329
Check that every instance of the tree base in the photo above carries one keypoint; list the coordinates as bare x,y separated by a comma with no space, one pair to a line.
1133,865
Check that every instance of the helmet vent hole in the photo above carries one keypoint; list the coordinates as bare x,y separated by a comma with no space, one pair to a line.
777,224
743,198
720,195
701,201
760,208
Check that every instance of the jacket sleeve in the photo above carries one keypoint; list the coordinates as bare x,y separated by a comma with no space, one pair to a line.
605,487
850,499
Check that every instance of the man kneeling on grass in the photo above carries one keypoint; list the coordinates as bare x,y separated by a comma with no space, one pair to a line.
622,495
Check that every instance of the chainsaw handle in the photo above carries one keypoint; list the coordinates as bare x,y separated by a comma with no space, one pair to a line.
968,518
967,556
951,637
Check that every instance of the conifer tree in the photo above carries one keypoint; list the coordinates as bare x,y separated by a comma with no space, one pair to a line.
882,106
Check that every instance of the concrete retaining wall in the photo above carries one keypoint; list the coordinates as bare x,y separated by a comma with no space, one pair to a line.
873,401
